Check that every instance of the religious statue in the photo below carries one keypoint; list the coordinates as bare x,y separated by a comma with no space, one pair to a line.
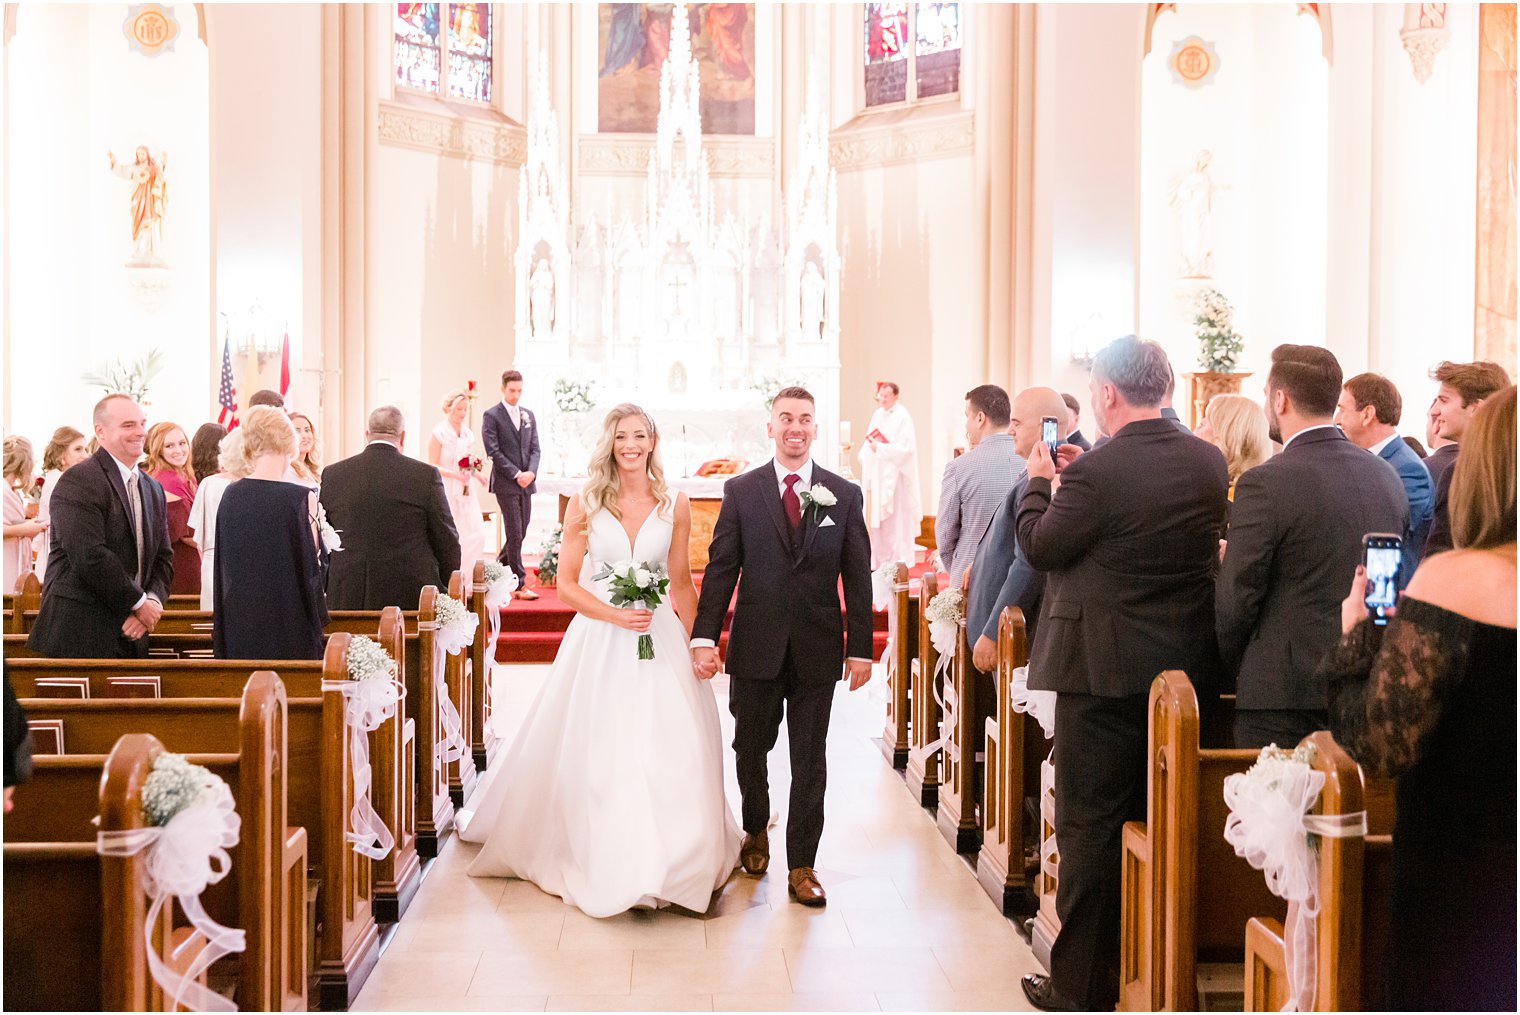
812,301
148,202
541,298
1193,198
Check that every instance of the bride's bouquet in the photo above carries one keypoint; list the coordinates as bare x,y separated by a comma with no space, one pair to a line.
635,583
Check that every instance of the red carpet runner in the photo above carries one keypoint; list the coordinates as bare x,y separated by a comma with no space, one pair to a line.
531,629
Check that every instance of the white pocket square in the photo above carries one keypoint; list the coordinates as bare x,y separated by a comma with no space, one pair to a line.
827,521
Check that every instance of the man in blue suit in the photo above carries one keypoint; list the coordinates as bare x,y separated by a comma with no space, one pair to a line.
1368,414
511,437
1000,572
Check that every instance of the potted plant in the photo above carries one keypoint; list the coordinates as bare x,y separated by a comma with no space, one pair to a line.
1219,349
548,563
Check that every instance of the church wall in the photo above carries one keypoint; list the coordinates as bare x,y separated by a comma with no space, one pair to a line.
70,304
266,182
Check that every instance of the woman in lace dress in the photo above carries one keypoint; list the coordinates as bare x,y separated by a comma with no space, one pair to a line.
449,443
1431,699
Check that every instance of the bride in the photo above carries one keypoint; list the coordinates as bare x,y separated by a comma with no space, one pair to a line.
611,797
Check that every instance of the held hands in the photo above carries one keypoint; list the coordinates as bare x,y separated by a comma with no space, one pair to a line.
859,672
144,619
704,661
524,479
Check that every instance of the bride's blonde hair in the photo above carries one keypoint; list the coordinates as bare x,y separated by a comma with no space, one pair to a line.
601,490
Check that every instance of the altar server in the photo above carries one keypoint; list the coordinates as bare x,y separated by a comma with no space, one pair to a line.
889,474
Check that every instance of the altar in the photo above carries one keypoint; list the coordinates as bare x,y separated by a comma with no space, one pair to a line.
704,492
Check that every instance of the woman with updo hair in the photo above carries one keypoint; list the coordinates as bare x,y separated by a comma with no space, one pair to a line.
67,449
267,599
168,450
451,443
230,466
19,530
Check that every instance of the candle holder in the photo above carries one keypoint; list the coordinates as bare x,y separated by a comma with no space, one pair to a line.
845,447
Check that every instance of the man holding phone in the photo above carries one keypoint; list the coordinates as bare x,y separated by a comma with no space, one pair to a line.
1296,531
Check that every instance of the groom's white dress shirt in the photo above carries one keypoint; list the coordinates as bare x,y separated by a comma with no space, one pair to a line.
804,483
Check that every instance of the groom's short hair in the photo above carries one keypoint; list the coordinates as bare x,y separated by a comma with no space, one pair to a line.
795,391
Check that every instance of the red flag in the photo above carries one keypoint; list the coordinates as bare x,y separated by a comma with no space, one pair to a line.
285,364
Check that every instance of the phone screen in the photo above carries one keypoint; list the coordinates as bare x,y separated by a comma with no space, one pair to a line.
1049,435
1381,557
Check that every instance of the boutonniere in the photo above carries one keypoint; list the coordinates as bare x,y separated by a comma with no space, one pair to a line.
818,497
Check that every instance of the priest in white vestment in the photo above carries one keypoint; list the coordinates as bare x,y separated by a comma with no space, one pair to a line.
889,476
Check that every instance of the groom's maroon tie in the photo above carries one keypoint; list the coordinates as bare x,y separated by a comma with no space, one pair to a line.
790,502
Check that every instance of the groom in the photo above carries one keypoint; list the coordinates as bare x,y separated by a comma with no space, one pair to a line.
789,533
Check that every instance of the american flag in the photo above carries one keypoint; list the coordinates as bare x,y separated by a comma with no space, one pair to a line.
227,396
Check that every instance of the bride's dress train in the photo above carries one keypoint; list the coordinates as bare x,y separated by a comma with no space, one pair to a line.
612,795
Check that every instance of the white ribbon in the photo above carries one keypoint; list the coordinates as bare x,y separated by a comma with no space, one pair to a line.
183,857
499,592
942,635
1270,827
366,705
1050,858
449,641
1038,705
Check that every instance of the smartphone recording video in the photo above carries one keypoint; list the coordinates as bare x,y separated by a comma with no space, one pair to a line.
1049,434
1381,556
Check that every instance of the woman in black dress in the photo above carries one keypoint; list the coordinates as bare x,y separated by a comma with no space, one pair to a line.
1431,699
267,602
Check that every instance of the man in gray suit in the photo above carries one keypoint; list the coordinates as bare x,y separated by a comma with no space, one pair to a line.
975,483
1000,573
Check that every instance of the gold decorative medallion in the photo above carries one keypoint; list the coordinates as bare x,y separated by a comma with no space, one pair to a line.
150,29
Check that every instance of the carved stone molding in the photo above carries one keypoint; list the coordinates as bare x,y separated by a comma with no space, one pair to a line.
1424,36
462,137
866,147
628,155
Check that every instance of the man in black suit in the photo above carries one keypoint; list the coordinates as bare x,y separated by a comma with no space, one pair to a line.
1169,413
511,437
1464,388
393,517
1074,420
110,562
1128,539
788,535
1296,529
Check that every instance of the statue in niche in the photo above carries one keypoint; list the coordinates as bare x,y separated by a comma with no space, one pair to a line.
541,299
1193,198
150,196
812,301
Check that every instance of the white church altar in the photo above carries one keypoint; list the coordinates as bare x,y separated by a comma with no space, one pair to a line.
690,305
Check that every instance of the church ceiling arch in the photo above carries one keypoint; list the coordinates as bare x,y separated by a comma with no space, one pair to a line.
1319,12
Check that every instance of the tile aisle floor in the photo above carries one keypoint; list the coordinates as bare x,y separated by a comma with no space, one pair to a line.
906,927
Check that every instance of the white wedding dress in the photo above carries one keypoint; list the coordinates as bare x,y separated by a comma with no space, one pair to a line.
612,796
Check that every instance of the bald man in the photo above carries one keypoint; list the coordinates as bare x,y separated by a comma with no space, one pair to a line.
1000,573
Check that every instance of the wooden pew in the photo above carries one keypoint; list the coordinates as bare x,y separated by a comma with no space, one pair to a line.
1015,746
899,664
923,725
320,796
461,677
956,816
1185,894
435,808
21,604
392,747
484,743
1354,879
75,919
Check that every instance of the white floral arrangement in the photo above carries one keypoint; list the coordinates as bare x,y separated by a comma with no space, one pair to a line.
818,497
501,582
1275,767
884,584
366,660
1220,345
331,541
944,614
573,397
456,625
174,785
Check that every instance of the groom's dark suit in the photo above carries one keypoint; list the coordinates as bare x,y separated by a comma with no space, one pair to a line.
788,640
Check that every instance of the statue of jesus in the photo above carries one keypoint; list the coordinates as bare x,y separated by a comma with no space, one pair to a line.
1193,197
812,301
150,196
541,299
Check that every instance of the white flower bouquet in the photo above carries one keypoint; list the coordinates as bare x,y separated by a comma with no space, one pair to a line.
501,582
573,397
368,661
884,584
1220,345
944,614
456,625
174,785
639,584
331,541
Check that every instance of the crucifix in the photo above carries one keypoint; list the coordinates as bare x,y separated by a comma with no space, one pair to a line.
676,286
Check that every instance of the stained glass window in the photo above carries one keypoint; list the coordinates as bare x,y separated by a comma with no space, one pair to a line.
887,53
470,52
416,55
913,51
937,56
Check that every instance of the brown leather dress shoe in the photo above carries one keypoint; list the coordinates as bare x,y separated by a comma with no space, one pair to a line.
525,594
755,854
803,886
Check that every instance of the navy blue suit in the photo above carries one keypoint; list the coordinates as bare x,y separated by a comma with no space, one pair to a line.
1422,502
1001,575
512,450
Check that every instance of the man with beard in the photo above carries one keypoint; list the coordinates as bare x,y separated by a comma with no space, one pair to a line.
1295,533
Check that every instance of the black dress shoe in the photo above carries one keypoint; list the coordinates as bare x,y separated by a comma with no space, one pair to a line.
1042,994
